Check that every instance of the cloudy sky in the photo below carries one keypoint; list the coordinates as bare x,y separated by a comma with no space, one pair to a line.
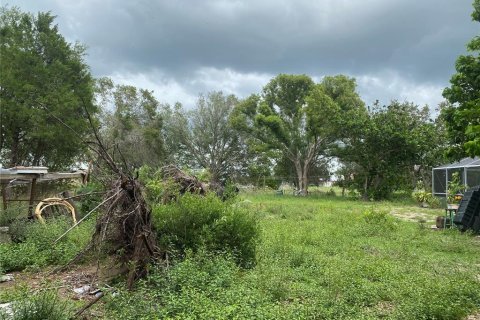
396,49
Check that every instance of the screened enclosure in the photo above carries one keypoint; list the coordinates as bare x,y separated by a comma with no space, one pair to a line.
468,170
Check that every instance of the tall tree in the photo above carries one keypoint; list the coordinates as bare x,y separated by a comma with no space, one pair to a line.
208,136
132,123
45,87
381,154
463,116
297,117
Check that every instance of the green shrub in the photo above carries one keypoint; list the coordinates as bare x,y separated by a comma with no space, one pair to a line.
194,221
12,213
378,222
40,306
187,290
158,190
35,246
421,196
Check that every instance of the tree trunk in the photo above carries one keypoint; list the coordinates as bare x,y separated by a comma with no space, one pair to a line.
298,170
365,188
305,182
306,167
302,176
15,150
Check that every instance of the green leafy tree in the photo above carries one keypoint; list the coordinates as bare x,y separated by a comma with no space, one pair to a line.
463,115
45,87
206,137
132,123
381,154
298,118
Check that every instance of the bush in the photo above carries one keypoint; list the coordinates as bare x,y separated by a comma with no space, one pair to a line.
38,307
421,196
35,244
378,222
194,221
11,213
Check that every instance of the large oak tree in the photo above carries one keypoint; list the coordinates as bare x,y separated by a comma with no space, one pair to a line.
299,118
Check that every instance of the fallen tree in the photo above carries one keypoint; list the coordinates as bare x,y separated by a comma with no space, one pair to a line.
124,228
182,182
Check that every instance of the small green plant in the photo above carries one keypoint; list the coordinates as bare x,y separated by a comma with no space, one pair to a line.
455,186
426,199
204,175
159,190
40,306
34,244
378,222
12,213
374,216
421,196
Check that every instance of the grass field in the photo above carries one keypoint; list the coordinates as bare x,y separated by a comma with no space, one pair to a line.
321,257
325,258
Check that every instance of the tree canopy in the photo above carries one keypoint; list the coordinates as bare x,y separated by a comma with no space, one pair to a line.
382,152
206,134
131,123
297,117
45,89
463,115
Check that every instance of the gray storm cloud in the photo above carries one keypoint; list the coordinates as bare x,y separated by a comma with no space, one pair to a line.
191,45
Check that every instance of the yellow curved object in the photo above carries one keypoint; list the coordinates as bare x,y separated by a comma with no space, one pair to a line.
48,202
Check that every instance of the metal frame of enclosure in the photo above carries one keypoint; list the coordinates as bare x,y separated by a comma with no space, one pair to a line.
468,169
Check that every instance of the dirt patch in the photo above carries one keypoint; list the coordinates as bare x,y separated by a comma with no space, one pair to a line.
384,308
413,216
473,317
64,282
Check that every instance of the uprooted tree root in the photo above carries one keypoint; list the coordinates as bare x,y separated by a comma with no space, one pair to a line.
186,183
125,228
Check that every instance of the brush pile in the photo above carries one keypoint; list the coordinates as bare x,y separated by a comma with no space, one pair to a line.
183,183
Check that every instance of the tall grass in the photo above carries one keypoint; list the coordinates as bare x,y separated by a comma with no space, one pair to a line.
34,247
38,306
321,258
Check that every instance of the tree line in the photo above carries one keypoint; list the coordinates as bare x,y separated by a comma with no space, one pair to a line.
293,127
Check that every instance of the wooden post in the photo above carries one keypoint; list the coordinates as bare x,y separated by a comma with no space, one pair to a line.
32,196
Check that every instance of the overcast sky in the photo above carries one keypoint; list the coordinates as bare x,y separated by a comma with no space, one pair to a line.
396,49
